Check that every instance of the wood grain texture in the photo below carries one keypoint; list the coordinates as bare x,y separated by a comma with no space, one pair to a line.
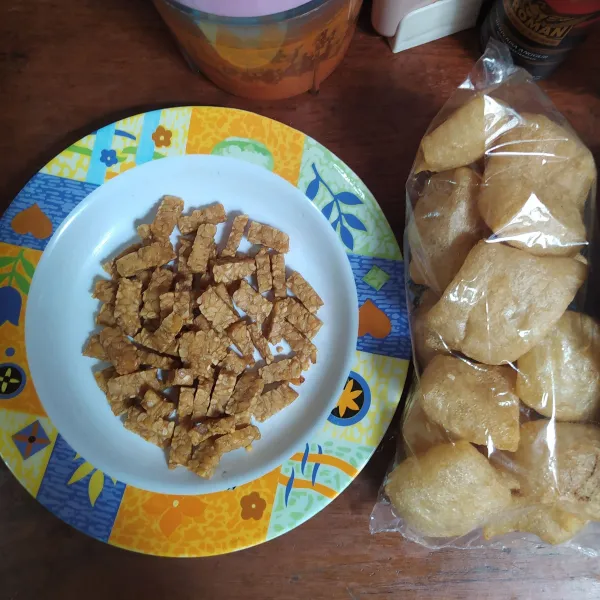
67,67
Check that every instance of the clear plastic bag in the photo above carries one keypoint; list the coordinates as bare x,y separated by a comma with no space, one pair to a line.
501,431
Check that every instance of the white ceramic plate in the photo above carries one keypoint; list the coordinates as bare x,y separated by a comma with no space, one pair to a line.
60,315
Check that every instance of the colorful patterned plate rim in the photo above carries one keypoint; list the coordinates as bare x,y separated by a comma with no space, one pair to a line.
249,514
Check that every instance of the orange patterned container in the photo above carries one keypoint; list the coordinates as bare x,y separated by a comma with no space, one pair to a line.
267,57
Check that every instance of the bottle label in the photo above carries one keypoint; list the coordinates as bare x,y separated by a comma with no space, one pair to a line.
535,20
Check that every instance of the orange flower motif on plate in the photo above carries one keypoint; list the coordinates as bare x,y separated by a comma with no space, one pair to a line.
162,137
253,506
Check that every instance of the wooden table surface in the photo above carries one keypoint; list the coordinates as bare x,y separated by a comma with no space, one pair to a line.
67,67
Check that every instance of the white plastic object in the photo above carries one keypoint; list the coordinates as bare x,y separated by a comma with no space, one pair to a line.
421,24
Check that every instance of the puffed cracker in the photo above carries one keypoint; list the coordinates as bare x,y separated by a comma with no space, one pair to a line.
271,402
301,319
282,370
228,271
221,393
119,350
235,236
304,292
251,302
201,248
213,214
260,342
127,306
169,211
160,283
216,310
264,279
268,236
278,274
153,255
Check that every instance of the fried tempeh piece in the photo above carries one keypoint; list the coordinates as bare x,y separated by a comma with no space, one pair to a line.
200,349
240,336
134,384
106,316
301,319
304,292
102,378
181,447
164,223
264,279
221,394
211,427
127,306
282,370
183,254
235,236
160,283
145,425
278,274
185,406
151,359
153,255
274,331
260,342
145,232
110,266
201,323
164,338
213,214
201,248
202,399
241,438
268,236
166,302
222,292
105,290
234,363
94,348
247,389
119,350
298,343
216,310
181,377
228,271
205,459
251,302
273,401
156,405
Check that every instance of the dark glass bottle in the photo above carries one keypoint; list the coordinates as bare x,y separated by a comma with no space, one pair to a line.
539,33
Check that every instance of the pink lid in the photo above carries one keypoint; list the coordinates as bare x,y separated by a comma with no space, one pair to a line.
243,8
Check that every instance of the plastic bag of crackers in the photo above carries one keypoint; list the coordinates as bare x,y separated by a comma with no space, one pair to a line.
193,334
500,440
